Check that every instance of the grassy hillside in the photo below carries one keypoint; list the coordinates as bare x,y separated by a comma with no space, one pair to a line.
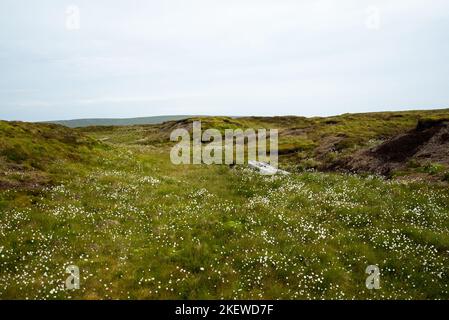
139,227
304,143
30,152
116,122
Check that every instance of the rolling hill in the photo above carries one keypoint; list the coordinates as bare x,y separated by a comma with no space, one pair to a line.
348,142
116,122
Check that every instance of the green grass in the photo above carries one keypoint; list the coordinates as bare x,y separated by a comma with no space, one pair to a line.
433,168
28,152
36,145
139,227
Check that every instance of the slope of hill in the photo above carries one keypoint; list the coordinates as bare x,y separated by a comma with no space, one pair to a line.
325,144
116,122
28,152
423,149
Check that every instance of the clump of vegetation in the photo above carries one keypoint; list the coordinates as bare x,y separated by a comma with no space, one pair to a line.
294,145
433,168
413,164
446,176
15,153
432,121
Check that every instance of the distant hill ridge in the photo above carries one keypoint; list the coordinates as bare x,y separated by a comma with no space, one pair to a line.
77,123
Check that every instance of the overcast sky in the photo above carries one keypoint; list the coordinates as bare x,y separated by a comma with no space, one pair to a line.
128,58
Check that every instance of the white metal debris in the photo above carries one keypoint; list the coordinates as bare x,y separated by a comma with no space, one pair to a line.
265,168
